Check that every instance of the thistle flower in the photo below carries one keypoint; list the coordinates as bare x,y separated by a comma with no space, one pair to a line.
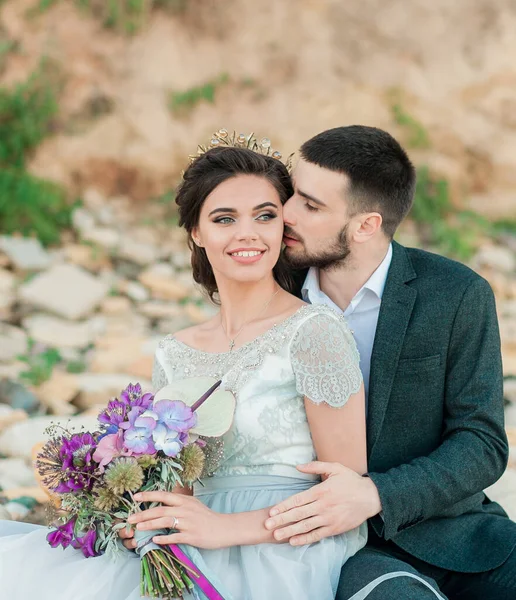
124,474
192,458
105,499
66,464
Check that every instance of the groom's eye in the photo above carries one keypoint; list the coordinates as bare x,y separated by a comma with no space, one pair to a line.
310,207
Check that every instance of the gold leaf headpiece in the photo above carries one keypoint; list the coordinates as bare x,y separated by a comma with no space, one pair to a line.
223,138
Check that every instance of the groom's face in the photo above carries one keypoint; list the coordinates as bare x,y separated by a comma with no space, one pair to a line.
316,222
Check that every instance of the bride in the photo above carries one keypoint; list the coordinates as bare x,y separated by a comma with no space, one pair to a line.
294,370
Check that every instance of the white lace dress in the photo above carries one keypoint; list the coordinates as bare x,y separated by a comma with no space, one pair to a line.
312,354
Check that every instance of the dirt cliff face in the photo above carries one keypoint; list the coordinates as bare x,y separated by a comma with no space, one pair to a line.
294,68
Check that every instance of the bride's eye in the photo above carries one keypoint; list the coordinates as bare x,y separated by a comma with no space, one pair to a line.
224,220
267,216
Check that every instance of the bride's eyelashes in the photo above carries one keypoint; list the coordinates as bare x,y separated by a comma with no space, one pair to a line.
264,218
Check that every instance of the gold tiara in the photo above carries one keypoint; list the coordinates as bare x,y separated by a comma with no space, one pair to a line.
223,138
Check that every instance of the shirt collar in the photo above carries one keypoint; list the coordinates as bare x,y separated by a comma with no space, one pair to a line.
376,283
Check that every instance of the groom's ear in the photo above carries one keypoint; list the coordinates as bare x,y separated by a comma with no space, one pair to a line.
368,225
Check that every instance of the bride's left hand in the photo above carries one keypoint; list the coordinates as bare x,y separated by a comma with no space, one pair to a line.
196,524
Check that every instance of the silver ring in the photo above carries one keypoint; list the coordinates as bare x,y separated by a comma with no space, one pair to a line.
175,524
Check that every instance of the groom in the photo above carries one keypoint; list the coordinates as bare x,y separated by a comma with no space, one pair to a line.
428,337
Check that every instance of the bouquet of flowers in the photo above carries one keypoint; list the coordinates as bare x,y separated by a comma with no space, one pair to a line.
143,443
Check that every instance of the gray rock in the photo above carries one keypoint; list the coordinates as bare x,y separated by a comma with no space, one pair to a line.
13,341
137,292
496,257
98,388
103,236
138,252
66,290
83,220
18,396
59,333
18,439
14,473
27,254
509,391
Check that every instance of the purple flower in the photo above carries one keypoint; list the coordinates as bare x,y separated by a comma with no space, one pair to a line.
132,396
62,536
109,447
168,440
138,435
86,543
76,454
175,414
114,414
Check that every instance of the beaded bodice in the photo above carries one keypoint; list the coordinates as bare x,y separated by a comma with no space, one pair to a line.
312,354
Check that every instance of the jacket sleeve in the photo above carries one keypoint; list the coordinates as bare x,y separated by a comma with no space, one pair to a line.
473,452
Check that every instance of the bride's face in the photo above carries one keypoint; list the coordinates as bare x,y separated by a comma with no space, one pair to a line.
241,228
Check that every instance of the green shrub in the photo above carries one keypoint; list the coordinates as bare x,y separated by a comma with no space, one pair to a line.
26,115
32,206
182,103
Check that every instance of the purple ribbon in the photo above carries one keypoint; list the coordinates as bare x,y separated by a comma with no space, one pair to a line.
209,591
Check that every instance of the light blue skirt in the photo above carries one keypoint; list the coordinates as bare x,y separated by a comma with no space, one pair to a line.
261,572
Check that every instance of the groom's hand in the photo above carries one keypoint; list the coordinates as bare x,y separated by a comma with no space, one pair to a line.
340,503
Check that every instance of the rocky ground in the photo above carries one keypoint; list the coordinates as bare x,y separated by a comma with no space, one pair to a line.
103,300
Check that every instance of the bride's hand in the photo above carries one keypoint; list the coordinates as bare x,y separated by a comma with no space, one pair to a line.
195,523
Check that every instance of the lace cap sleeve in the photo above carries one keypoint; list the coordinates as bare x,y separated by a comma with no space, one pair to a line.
159,377
325,359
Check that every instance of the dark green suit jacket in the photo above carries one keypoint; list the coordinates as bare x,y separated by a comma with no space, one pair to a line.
435,421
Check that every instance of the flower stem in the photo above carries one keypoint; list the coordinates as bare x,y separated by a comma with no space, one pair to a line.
206,395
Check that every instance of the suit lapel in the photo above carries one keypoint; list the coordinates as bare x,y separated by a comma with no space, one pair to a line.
395,311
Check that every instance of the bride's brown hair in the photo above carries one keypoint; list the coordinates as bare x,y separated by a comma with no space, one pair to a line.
200,179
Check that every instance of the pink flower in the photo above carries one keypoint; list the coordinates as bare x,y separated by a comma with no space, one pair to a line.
109,447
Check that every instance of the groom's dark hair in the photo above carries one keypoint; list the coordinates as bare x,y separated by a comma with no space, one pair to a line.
381,177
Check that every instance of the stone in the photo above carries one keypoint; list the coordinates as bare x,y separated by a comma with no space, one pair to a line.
26,254
196,313
98,388
120,325
82,220
156,309
181,260
18,439
138,252
497,258
13,341
91,259
17,396
141,367
508,331
9,415
59,333
117,356
171,326
504,492
26,492
7,281
136,291
116,305
105,237
94,199
162,281
508,308
509,391
12,370
15,473
57,393
67,290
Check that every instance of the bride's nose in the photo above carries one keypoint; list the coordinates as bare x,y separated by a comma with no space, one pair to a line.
247,231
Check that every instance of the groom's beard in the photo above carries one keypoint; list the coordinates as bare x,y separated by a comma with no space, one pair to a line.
335,255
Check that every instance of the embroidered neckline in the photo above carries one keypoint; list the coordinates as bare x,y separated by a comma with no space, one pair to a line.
251,343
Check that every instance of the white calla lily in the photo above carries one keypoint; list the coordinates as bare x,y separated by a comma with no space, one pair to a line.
214,416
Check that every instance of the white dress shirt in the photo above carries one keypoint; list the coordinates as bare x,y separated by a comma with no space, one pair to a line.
362,312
